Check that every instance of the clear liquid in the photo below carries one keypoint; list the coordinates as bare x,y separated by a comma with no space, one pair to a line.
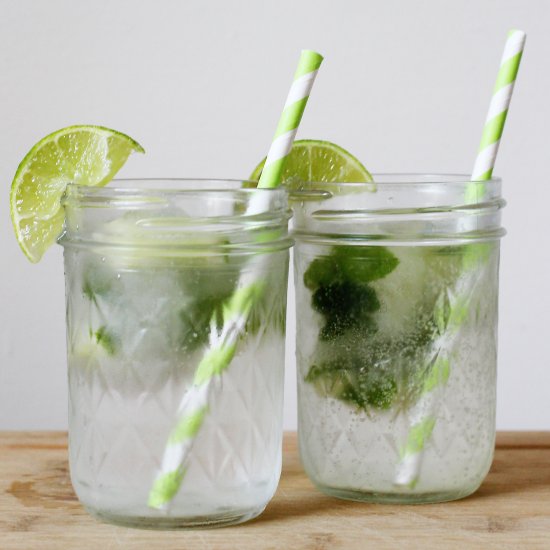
135,338
355,449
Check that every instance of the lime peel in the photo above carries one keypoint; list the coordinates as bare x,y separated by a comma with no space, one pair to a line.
317,161
83,155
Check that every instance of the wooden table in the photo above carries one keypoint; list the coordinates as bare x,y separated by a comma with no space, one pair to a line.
38,508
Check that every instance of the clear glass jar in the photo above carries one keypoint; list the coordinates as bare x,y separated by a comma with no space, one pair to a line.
150,267
396,300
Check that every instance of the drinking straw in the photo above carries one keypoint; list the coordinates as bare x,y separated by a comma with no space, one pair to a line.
498,108
223,342
423,414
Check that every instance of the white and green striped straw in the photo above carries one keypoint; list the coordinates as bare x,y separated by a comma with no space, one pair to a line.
223,343
290,119
498,110
423,415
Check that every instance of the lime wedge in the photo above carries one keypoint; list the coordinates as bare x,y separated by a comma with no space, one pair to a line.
318,161
85,155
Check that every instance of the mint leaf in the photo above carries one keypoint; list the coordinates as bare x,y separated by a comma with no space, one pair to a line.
345,305
106,340
195,321
337,379
359,264
97,280
355,380
322,271
363,264
367,355
343,296
205,290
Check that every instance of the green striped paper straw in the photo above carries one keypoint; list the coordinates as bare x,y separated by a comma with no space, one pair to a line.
290,119
498,111
423,415
223,343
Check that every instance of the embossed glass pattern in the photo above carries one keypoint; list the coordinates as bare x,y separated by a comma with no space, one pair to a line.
396,300
146,271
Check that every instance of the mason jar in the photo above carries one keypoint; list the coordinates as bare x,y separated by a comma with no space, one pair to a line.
176,300
396,300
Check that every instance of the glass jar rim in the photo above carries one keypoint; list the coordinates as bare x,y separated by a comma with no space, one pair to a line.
168,213
397,180
170,186
400,208
419,178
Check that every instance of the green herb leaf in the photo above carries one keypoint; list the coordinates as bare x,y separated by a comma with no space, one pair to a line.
106,339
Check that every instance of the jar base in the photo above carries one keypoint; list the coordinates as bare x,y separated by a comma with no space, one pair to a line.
395,498
175,523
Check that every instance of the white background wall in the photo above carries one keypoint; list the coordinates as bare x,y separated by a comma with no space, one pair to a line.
405,86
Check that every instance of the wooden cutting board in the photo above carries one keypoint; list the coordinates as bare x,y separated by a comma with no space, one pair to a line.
38,508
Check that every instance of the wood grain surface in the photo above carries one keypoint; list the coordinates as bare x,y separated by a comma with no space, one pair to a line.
38,508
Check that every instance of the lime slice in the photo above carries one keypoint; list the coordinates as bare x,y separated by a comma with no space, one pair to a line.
85,155
318,161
